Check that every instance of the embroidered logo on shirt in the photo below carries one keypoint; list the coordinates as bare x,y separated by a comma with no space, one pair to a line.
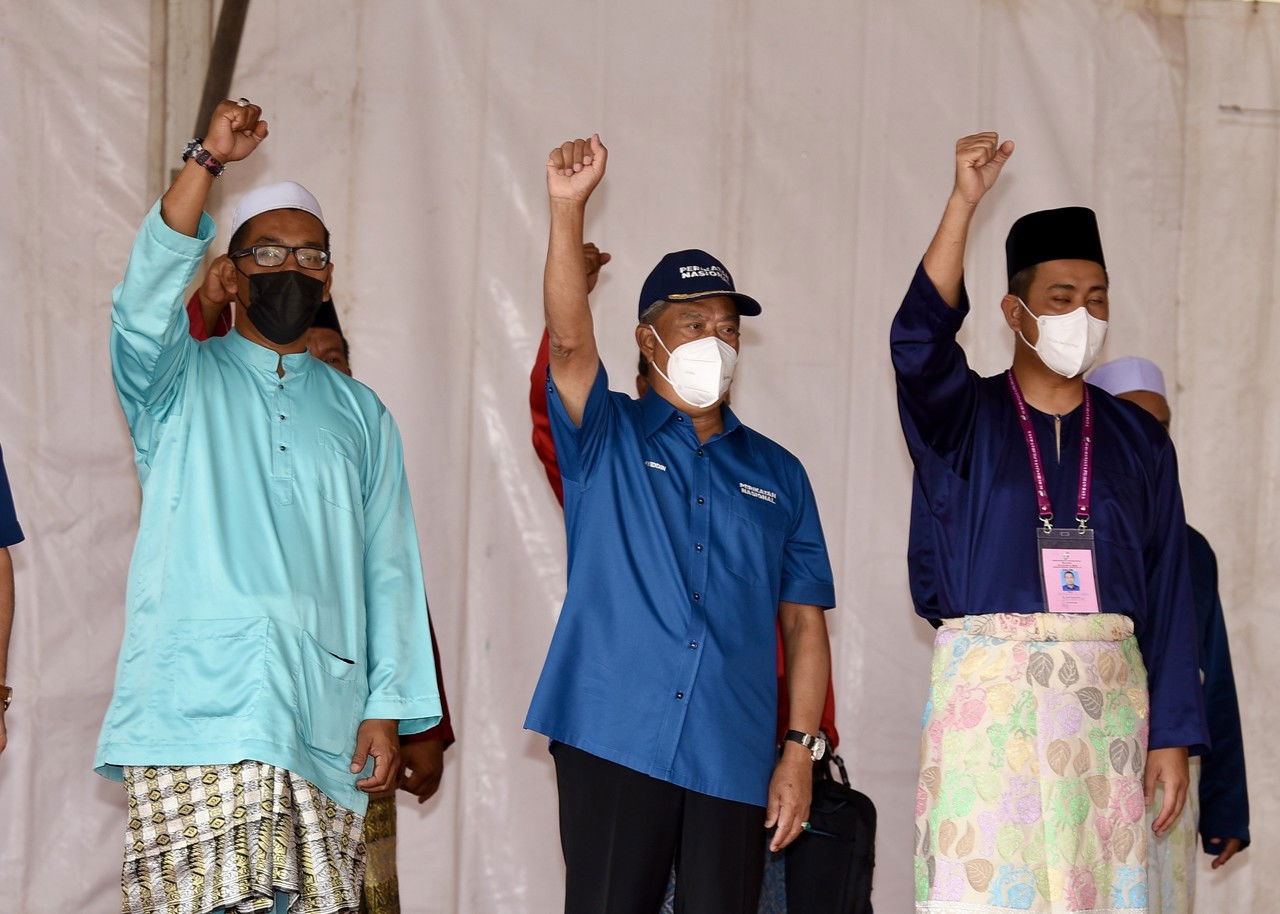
756,492
654,465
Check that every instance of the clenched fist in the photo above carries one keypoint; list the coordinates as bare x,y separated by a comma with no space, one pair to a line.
234,131
575,168
979,159
595,259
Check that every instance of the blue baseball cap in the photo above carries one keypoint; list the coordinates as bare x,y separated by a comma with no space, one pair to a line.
688,276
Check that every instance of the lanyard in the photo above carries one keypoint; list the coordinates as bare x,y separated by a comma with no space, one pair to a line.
1085,489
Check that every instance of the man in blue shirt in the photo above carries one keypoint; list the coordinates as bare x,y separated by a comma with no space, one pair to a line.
10,535
1218,802
1044,730
276,638
689,535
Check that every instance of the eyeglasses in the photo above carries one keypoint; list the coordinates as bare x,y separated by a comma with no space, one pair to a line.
274,255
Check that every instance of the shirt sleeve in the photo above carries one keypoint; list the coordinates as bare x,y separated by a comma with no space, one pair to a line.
578,447
936,387
544,444
806,568
1168,637
10,531
442,731
402,674
1224,796
150,344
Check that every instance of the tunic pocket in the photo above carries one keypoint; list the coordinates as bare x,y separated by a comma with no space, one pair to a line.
330,692
217,667
338,479
753,542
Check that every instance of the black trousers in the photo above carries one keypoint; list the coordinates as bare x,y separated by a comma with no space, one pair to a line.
620,831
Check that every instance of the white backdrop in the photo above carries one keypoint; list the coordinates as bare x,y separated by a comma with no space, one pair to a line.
808,144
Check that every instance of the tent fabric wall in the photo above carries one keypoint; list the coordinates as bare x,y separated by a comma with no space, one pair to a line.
808,145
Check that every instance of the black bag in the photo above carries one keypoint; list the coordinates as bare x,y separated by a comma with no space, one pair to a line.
829,866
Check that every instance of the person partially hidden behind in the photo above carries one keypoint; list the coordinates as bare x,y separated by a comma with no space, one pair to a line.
1218,799
276,639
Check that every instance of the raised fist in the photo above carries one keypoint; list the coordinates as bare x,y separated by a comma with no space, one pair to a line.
979,159
575,168
595,258
235,130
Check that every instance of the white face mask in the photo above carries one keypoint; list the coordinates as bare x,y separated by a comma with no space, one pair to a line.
700,371
1068,343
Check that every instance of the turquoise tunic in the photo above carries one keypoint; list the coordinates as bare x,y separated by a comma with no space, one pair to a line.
275,596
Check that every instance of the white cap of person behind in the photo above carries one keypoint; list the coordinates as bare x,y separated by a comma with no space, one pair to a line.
1122,376
283,195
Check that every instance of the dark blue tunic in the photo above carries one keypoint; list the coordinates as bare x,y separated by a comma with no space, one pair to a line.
974,515
1224,798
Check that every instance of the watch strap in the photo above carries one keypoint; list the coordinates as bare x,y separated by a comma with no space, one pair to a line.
204,158
815,744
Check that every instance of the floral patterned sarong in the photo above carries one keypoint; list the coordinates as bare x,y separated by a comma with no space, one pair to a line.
1030,795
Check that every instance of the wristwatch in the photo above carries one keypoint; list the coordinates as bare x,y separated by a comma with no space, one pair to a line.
204,158
6,696
816,745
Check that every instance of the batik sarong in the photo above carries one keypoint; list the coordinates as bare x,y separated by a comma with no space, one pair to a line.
1171,858
237,838
1030,796
381,885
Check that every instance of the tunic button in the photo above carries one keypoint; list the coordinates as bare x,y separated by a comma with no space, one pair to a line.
701,499
279,387
679,694
698,547
693,645
697,596
282,417
699,452
283,448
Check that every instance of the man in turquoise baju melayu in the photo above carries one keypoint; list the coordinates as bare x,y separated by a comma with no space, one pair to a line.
276,639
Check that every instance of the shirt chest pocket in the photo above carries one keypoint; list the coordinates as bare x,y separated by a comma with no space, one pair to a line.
338,470
754,537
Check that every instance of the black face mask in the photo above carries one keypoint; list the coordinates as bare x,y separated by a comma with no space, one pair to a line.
283,305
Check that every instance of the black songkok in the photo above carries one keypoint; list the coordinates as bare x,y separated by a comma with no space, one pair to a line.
327,318
1070,233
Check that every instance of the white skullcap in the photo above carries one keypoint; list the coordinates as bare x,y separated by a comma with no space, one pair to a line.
1126,375
285,195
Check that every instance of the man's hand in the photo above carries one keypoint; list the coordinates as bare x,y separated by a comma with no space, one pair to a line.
595,258
421,765
979,159
575,168
1232,848
790,792
234,131
1167,767
380,739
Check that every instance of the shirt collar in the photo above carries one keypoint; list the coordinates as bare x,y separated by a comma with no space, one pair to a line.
656,412
263,358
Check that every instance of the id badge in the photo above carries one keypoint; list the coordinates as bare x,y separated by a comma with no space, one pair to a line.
1068,576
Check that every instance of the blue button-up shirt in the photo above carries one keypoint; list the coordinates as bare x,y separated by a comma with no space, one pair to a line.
275,597
974,513
664,658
